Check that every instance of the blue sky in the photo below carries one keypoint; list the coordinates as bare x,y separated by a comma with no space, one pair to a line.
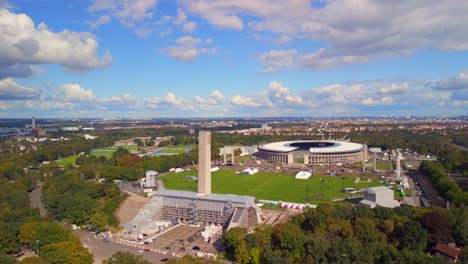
223,58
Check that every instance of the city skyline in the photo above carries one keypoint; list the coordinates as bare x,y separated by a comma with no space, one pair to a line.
219,58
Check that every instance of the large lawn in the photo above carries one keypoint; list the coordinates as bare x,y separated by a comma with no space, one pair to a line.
269,186
382,165
109,151
68,160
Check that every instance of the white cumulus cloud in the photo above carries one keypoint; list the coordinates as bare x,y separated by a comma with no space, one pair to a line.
244,101
215,98
128,12
169,101
457,82
10,90
382,101
72,92
23,44
188,48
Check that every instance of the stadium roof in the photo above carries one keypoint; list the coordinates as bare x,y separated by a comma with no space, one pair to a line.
338,146
211,196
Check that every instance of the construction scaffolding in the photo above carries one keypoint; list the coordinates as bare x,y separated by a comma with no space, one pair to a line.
207,209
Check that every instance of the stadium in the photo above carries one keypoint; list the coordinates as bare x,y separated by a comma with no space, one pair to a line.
313,152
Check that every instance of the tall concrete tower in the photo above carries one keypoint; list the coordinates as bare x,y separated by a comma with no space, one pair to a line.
398,168
204,162
33,125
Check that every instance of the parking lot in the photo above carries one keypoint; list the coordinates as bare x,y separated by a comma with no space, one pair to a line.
178,241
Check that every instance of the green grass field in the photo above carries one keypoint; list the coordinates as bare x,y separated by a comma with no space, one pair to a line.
382,165
172,150
269,186
68,160
107,152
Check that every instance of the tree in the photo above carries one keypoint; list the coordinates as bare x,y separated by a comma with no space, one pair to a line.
8,241
404,210
438,226
237,152
362,211
6,259
120,152
413,236
187,259
383,213
233,238
164,143
99,222
318,248
46,232
242,253
33,260
366,231
139,142
67,252
289,237
125,258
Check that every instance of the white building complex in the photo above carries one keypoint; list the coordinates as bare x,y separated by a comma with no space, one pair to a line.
313,152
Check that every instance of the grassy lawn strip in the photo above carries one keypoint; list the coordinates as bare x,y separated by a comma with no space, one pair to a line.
68,160
107,152
268,185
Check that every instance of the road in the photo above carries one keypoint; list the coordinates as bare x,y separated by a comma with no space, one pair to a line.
458,146
35,200
103,250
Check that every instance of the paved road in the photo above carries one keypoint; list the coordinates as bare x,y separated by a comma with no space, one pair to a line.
35,200
104,250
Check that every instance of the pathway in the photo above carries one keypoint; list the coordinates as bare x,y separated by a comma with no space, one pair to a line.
35,200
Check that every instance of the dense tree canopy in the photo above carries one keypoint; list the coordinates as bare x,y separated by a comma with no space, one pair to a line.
125,258
338,233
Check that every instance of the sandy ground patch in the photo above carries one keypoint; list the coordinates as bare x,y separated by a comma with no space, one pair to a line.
130,207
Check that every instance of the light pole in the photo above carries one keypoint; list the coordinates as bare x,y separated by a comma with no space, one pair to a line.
37,247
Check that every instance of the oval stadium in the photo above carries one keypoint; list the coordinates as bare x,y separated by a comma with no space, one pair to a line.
313,152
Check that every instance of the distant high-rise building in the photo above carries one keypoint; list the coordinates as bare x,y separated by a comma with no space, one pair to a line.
33,122
204,162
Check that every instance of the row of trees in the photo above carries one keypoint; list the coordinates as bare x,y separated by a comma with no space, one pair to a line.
449,189
345,234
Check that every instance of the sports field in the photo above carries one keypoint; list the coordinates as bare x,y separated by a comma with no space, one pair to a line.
167,151
68,160
270,185
107,152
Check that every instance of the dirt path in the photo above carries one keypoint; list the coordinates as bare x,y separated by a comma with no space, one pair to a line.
35,200
129,208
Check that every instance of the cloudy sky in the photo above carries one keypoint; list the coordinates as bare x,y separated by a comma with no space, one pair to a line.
224,58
